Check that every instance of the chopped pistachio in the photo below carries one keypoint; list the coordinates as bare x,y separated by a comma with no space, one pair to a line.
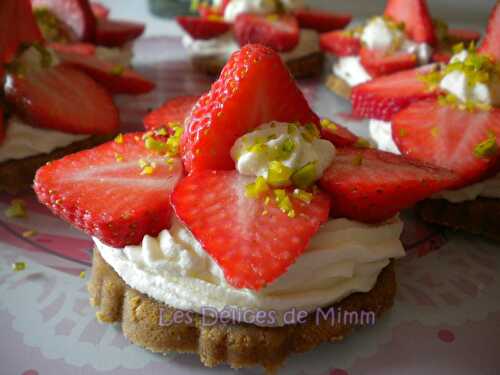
117,70
119,139
118,157
303,195
358,160
362,143
278,174
305,176
19,266
284,203
82,275
17,209
256,189
487,148
29,233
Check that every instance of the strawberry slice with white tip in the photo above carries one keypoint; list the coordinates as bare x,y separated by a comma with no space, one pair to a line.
320,20
17,26
385,96
491,42
416,17
253,242
254,88
76,14
64,99
174,110
379,62
459,140
115,33
279,32
118,79
203,28
340,43
105,192
372,186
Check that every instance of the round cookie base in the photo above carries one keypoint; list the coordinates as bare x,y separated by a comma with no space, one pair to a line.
480,216
16,176
238,345
304,67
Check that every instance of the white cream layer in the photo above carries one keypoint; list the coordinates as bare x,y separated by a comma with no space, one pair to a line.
381,132
344,257
22,141
225,45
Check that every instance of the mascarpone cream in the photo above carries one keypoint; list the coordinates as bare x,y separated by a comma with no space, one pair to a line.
22,141
343,257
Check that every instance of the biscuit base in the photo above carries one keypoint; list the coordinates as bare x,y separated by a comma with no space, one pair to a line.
16,176
339,86
480,216
238,345
303,67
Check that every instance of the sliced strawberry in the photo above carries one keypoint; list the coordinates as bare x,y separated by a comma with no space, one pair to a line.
115,33
77,14
321,21
379,63
463,35
340,43
383,97
254,87
64,99
203,28
491,42
17,26
441,56
2,126
86,49
449,137
252,242
416,17
99,10
110,199
173,110
116,78
338,135
372,186
279,32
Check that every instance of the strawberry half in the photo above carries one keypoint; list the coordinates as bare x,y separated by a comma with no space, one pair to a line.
339,135
77,14
252,242
254,87
116,78
173,110
379,63
491,42
17,26
203,28
320,20
372,186
99,10
115,33
340,43
86,49
110,199
385,96
463,36
416,17
458,140
64,99
279,32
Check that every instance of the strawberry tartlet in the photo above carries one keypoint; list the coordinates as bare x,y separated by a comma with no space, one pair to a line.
403,38
53,102
287,26
234,230
449,116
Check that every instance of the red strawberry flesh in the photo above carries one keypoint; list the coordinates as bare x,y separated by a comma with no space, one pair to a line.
64,99
379,62
252,242
174,110
448,137
254,88
340,43
491,42
111,199
321,21
385,96
99,10
203,28
115,33
372,186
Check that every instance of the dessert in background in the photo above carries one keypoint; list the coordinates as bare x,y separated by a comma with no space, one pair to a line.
240,202
54,101
287,26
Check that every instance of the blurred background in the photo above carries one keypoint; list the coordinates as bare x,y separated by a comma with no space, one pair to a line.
470,13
